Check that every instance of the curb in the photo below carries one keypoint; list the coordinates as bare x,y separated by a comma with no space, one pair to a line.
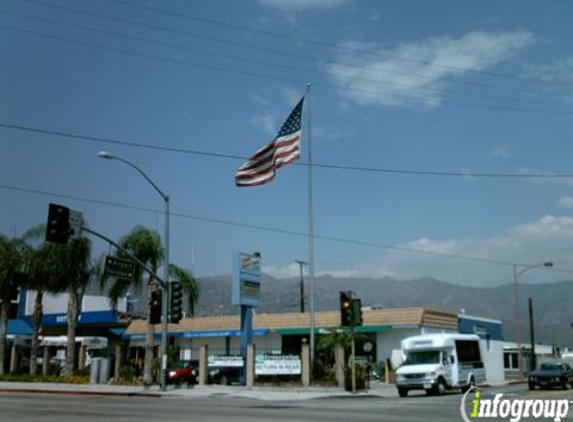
78,392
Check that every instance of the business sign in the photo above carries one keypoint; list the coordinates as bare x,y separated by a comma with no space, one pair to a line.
247,279
278,365
227,361
119,268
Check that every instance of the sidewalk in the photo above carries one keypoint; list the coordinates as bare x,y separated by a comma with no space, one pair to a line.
258,393
377,389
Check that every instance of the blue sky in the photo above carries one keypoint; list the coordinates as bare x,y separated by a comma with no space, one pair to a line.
445,86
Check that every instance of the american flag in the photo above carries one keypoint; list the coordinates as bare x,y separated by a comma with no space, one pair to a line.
283,150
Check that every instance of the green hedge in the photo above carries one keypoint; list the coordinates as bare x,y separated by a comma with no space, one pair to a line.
76,379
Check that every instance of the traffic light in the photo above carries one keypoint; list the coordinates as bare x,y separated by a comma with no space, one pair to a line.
346,309
176,302
58,226
155,307
356,312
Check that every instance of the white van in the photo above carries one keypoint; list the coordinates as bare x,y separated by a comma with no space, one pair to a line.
439,362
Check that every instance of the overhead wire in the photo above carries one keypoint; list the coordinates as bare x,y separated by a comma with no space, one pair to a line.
270,229
324,44
275,65
274,77
151,146
266,49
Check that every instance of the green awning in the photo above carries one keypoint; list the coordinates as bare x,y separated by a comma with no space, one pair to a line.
321,330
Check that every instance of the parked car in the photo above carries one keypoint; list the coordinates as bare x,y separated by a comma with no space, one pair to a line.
558,374
224,375
184,371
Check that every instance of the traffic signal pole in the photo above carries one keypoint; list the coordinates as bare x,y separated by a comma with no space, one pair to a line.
161,282
353,360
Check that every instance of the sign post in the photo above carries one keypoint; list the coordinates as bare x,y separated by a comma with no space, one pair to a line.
246,293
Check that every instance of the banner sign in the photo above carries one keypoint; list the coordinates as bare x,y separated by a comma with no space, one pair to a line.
247,279
228,361
278,365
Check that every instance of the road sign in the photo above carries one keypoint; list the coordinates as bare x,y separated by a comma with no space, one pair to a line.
120,268
76,220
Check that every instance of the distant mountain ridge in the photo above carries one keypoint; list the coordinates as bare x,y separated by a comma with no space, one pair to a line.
553,310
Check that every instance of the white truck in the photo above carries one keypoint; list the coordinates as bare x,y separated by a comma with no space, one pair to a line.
439,362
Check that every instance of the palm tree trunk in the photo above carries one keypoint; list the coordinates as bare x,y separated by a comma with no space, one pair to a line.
72,317
36,324
3,334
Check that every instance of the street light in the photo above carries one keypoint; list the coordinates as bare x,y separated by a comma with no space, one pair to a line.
165,292
516,275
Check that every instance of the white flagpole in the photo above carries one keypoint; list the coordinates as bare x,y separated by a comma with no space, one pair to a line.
310,228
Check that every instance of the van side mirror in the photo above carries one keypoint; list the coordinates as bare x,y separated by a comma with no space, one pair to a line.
452,359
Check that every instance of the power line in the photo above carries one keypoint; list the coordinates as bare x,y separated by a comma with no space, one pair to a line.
327,45
250,46
269,229
273,77
144,145
279,66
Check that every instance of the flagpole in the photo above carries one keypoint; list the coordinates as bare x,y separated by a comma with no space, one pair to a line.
310,228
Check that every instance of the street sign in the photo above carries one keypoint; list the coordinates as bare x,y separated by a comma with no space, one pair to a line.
76,220
119,268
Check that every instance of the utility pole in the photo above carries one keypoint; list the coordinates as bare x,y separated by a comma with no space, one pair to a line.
353,360
301,263
533,362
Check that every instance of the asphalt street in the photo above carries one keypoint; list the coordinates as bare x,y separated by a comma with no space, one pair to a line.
83,408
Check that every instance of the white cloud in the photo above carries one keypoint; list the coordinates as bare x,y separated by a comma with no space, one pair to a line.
561,71
551,177
565,202
266,122
300,5
502,151
416,74
547,239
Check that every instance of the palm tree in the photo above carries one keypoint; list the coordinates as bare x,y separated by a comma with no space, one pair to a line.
74,272
40,260
11,266
145,245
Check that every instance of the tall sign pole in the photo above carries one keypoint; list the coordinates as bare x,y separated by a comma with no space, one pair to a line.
310,226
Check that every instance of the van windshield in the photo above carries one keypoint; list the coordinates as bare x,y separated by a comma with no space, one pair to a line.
417,358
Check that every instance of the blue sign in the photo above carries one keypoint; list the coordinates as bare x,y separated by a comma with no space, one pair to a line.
247,279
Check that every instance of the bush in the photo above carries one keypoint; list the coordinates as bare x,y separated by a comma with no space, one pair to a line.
127,373
76,379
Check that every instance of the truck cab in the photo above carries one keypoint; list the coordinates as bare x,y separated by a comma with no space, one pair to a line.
439,362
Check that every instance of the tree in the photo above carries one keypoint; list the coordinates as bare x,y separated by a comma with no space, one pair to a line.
146,246
11,265
40,277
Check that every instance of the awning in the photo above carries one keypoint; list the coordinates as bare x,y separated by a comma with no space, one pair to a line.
18,327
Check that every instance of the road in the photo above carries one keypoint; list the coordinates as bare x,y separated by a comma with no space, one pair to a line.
18,407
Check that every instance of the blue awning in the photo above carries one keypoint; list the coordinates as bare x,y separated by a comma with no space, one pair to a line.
18,327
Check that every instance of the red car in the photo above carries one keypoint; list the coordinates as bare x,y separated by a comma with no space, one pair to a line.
184,372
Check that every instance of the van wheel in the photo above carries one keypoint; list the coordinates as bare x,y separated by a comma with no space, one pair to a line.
469,386
402,392
440,388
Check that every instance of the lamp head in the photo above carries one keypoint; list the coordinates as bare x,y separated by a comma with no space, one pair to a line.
105,154
548,264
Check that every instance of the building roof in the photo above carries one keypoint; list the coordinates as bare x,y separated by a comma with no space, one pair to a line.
287,322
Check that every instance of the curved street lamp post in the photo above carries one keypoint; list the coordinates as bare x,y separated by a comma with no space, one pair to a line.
516,275
165,291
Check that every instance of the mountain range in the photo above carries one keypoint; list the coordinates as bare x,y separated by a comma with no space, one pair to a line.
552,302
